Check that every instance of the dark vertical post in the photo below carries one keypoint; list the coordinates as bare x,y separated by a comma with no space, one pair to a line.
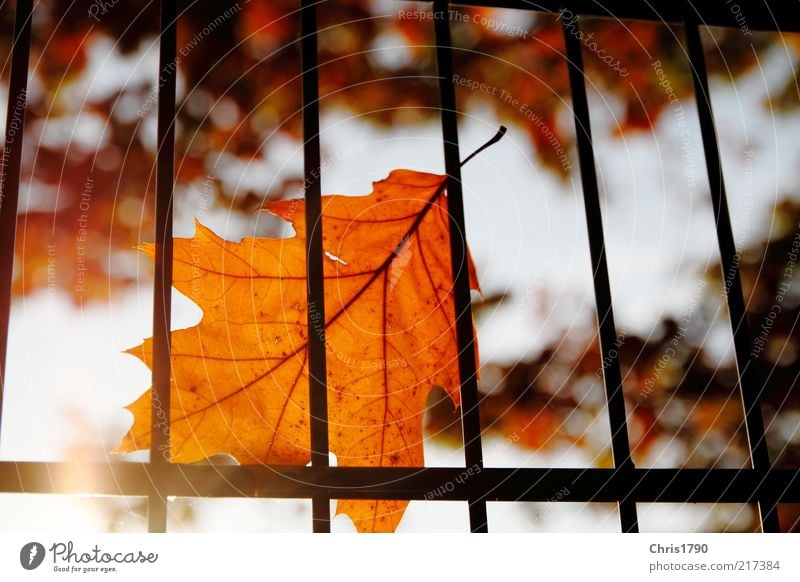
10,170
162,286
470,417
602,288
317,368
748,382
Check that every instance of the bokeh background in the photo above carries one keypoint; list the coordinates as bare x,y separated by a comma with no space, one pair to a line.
83,294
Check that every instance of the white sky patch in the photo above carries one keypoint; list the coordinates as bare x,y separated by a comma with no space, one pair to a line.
88,131
390,51
107,70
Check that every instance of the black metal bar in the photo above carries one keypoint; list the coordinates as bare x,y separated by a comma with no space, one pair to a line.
729,259
162,285
602,288
10,170
317,365
772,15
470,417
494,484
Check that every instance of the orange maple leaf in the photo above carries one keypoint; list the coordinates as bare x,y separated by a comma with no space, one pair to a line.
240,377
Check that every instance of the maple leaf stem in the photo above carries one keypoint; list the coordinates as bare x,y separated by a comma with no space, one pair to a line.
414,226
496,138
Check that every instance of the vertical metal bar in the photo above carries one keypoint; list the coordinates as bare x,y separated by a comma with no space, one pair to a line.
470,417
10,170
748,382
162,286
602,288
317,366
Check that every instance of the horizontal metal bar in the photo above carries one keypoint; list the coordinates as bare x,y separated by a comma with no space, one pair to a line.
439,483
772,15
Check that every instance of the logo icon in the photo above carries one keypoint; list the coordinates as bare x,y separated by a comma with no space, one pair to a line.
31,555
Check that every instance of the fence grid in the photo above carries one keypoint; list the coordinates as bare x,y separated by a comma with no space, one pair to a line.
625,485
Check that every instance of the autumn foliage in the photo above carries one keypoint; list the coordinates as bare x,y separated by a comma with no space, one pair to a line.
240,377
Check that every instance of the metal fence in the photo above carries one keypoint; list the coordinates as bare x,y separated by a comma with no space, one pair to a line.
625,485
